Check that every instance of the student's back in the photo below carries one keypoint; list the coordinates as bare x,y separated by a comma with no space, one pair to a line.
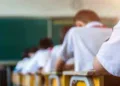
86,43
50,66
108,57
38,61
83,41
27,54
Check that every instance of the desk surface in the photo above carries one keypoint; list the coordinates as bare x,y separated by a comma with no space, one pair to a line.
7,63
81,73
53,73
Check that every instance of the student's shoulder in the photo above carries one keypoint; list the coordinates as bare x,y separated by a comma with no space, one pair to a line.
42,51
24,59
56,47
75,30
39,52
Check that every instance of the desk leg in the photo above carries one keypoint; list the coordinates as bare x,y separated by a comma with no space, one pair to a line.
8,75
51,77
87,80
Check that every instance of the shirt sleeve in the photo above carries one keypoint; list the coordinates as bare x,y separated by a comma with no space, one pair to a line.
66,50
31,66
109,53
19,66
48,67
70,61
43,58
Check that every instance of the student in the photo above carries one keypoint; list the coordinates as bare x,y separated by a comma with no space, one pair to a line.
83,42
50,66
38,61
69,65
107,60
27,54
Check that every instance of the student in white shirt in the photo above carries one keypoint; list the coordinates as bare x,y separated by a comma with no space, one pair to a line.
27,54
50,67
108,58
39,60
69,65
83,43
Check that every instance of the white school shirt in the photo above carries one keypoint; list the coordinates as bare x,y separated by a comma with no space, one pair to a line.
109,53
37,61
50,66
20,65
83,43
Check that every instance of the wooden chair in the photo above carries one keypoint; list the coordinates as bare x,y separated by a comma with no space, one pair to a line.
16,79
89,78
46,79
38,80
25,80
32,80
54,79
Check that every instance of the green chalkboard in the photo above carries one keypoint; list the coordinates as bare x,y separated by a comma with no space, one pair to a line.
16,34
57,25
56,33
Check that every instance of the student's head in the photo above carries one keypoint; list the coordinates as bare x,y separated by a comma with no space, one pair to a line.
45,43
32,51
83,17
63,32
29,52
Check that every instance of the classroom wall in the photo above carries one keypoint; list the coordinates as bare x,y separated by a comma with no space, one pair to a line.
42,8
21,27
47,8
105,8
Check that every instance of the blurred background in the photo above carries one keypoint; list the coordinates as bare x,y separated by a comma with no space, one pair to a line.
24,22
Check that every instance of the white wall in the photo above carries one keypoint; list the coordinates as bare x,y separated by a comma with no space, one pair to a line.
102,7
35,8
57,7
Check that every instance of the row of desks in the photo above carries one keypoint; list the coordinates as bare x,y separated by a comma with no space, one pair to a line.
8,65
68,78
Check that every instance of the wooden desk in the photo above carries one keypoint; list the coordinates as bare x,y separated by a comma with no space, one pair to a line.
8,64
89,78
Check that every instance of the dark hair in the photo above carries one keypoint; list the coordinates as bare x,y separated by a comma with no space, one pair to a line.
63,32
29,50
45,43
86,16
33,50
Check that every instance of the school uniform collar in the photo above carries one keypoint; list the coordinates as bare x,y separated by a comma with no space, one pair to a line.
93,24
